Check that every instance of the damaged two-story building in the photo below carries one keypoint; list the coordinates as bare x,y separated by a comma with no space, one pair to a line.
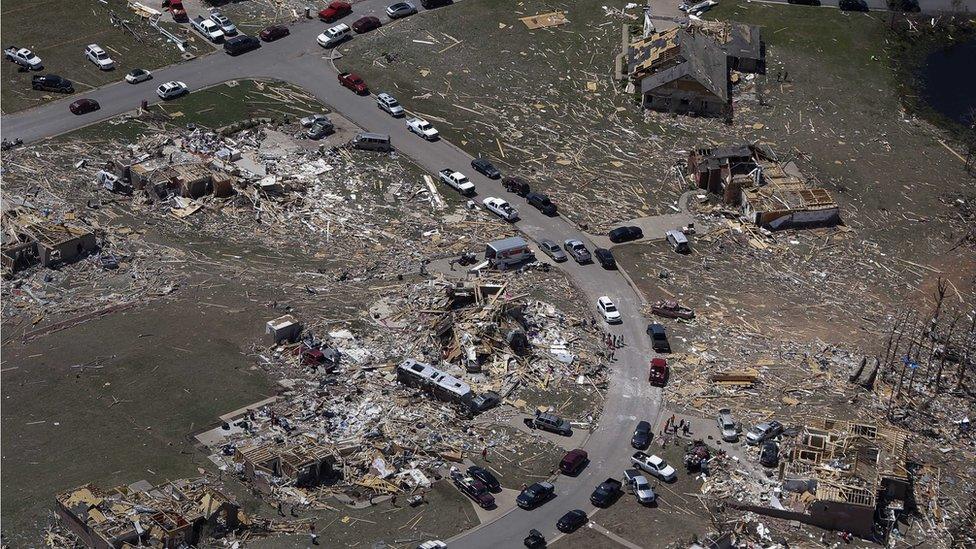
30,239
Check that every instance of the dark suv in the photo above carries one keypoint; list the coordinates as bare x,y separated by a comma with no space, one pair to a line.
625,234
642,436
542,203
430,4
659,338
52,82
605,257
241,44
516,185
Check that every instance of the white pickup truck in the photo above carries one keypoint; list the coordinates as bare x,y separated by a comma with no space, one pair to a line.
501,208
457,180
210,30
23,57
654,465
422,128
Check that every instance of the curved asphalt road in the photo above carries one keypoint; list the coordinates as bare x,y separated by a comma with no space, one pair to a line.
299,60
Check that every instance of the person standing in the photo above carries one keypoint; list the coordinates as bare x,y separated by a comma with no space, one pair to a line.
313,537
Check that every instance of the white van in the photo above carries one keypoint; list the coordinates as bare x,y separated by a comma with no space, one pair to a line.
678,241
372,142
334,36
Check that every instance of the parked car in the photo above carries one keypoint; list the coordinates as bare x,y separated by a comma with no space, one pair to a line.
400,9
769,455
485,168
654,465
274,32
577,251
605,257
642,436
432,544
423,128
210,30
484,401
853,5
571,521
354,82
320,129
638,484
625,234
501,208
225,24
535,539
805,2
606,492
727,426
457,180
99,57
658,373
542,203
535,495
609,311
334,11
659,338
333,36
763,432
671,309
241,44
136,76
171,90
552,423
177,10
516,185
387,103
366,24
573,462
486,478
678,241
52,82
474,489
23,57
310,120
551,249
84,106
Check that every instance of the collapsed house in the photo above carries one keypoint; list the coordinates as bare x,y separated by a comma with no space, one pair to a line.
30,239
304,466
840,475
768,193
688,70
174,514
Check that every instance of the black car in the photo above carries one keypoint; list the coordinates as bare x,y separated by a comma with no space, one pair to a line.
486,478
241,44
52,82
769,455
571,521
535,539
805,2
516,185
483,401
642,436
430,4
625,234
904,5
853,5
84,106
605,257
485,168
535,495
659,338
542,203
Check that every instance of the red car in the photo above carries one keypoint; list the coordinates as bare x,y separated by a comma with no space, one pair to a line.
658,375
274,32
573,462
366,24
84,106
177,10
335,11
354,82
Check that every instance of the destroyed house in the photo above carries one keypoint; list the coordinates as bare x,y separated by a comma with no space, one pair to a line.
841,475
713,169
442,385
775,207
30,239
270,464
682,72
175,514
192,180
745,48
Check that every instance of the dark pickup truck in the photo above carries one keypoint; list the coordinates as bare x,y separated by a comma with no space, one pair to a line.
606,493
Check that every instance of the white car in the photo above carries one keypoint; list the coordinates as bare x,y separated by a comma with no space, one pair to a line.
608,310
138,75
387,103
457,180
225,24
210,30
422,128
501,208
97,55
171,90
655,466
334,35
23,57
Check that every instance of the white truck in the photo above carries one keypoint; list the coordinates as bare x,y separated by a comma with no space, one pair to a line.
457,180
210,30
654,465
501,208
23,57
422,128
637,483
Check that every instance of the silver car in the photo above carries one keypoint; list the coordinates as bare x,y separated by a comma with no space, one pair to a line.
763,432
727,426
401,9
551,249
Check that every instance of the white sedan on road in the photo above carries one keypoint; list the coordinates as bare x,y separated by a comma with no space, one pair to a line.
608,310
171,90
138,75
501,208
